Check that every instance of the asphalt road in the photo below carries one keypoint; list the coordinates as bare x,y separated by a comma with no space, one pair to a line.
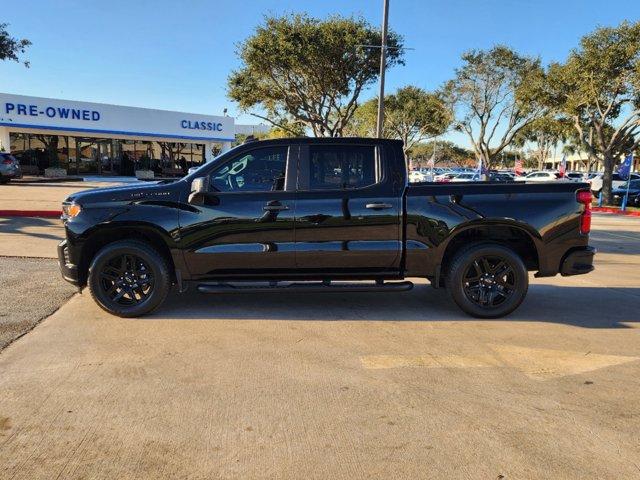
337,386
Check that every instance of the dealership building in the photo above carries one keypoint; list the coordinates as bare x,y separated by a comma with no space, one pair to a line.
98,139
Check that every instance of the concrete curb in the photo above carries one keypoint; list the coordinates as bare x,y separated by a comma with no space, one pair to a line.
31,213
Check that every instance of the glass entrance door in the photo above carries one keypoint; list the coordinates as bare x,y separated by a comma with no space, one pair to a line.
87,156
109,161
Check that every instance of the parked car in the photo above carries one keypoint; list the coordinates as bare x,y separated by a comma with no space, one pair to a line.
466,177
634,194
501,177
539,176
416,176
9,167
575,176
445,177
308,215
616,181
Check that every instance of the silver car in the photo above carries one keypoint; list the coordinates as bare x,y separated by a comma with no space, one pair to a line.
9,167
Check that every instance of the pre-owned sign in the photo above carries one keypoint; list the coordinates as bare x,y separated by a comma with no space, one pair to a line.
47,113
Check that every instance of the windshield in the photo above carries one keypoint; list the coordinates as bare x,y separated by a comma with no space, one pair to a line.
198,171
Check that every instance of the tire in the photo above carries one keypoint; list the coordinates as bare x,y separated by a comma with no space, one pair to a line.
487,290
129,278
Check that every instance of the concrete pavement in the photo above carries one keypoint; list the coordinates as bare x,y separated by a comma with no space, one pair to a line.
30,237
337,386
42,196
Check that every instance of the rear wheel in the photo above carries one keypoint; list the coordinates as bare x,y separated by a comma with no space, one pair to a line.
129,278
487,280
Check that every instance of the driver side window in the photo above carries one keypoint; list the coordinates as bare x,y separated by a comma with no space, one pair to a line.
262,169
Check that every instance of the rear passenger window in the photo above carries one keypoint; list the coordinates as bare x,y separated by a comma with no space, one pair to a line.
335,167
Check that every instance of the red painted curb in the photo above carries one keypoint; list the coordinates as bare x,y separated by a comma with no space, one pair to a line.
31,213
615,211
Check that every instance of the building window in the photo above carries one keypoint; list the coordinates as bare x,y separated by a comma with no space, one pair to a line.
106,156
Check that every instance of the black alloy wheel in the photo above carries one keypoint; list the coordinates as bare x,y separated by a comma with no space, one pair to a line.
126,280
487,280
129,278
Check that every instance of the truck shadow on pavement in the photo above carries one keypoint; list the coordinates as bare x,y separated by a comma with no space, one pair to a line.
21,226
588,307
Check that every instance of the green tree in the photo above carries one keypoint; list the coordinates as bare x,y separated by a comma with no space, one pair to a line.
443,152
297,68
598,91
11,48
544,133
412,115
495,94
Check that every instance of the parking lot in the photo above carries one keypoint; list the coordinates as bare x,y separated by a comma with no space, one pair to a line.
329,386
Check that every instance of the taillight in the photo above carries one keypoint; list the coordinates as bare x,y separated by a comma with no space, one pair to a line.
7,161
584,197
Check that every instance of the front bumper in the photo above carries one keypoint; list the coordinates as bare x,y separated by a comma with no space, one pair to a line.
578,261
68,270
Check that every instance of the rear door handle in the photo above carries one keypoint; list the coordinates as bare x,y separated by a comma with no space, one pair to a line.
274,207
379,206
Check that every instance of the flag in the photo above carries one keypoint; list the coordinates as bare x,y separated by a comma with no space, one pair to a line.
519,170
625,167
563,166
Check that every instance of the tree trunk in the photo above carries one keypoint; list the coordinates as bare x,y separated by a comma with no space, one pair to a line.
607,178
487,163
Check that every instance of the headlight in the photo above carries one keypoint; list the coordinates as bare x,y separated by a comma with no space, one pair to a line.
71,210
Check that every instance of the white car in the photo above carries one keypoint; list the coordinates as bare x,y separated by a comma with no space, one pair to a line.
466,177
415,176
596,181
541,176
445,177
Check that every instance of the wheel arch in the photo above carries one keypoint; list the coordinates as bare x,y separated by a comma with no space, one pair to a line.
522,239
103,235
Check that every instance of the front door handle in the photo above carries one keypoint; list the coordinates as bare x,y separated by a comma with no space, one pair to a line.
274,207
379,206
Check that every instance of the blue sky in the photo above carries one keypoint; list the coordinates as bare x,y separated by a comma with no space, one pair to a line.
176,55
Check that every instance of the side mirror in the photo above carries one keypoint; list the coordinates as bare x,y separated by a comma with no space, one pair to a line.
199,186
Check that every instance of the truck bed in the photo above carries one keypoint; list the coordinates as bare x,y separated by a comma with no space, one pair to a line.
544,216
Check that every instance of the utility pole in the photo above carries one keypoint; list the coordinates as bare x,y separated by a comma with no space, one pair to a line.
383,64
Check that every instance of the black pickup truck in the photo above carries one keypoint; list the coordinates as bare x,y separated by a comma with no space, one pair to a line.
321,215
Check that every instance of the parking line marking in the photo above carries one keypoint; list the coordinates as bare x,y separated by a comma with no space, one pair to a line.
543,364
535,363
429,361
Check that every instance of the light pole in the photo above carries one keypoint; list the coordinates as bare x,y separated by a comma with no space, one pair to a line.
383,61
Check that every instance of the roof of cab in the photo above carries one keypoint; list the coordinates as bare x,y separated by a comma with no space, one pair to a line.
328,140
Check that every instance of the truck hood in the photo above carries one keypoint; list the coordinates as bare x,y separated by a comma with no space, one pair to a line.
136,192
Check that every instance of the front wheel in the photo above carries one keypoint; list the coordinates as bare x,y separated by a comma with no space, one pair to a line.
487,280
129,278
